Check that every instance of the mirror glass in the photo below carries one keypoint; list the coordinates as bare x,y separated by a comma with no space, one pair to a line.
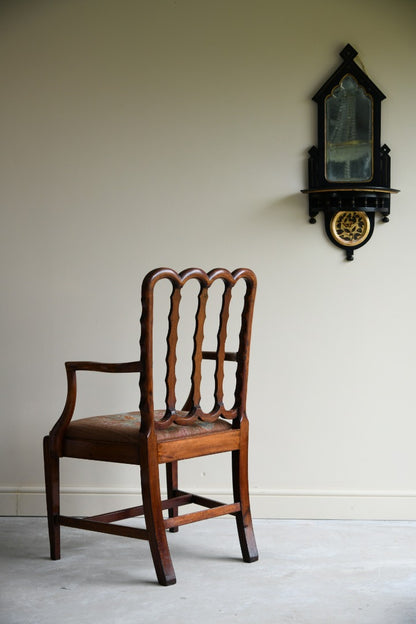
348,133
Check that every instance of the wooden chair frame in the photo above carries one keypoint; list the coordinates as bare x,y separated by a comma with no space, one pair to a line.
150,451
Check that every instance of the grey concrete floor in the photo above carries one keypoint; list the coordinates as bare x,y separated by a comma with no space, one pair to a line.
309,572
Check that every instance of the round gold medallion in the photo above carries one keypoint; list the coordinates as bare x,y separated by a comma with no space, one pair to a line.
350,227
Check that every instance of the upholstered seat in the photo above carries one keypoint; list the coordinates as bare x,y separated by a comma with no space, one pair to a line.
124,428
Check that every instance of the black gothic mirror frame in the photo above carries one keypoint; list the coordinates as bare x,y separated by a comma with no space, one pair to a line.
356,197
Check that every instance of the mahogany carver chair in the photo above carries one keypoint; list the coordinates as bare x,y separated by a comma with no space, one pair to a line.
151,437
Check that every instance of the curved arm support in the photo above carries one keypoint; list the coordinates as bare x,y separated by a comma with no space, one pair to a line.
58,431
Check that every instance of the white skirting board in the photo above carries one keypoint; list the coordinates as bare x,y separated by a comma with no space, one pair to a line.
297,504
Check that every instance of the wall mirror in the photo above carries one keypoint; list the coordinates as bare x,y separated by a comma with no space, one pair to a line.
349,169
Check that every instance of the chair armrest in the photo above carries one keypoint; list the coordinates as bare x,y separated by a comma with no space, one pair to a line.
58,431
104,367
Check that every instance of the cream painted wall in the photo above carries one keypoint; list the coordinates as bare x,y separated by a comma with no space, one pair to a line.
137,134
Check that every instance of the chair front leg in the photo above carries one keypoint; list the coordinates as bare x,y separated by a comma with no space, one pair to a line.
51,465
155,526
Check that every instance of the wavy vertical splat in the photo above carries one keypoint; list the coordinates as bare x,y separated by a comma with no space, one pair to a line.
196,376
221,338
172,342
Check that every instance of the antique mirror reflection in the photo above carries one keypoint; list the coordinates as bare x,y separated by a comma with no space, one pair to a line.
348,133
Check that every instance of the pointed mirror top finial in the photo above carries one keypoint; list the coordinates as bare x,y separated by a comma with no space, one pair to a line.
348,53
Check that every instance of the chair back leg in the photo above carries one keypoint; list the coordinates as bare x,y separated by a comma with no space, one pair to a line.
51,465
241,494
172,486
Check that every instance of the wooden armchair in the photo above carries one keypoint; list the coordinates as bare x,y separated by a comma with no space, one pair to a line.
151,437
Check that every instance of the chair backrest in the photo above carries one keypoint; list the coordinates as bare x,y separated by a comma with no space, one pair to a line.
192,410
